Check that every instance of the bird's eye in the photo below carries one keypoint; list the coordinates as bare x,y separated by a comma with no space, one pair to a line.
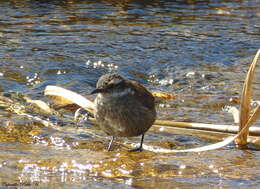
115,81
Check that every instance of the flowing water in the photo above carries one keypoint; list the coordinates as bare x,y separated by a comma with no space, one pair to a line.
181,47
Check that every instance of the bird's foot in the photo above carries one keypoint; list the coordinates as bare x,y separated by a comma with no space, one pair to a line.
139,149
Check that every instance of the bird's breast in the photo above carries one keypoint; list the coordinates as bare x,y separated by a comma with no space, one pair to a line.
122,114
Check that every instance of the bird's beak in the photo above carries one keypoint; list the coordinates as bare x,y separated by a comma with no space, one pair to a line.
97,90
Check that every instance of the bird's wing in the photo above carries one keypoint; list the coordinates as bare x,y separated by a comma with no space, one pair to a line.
144,96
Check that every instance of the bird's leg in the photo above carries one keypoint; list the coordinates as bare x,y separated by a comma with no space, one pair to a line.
140,148
110,144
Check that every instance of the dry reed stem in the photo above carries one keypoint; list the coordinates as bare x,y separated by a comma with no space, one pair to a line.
252,120
254,131
169,96
40,104
67,96
245,106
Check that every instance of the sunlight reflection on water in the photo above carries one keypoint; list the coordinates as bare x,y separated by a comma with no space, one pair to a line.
182,47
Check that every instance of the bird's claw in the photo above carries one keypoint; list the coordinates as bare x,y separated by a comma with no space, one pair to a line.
139,149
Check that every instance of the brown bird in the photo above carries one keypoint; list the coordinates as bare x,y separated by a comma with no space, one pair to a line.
124,108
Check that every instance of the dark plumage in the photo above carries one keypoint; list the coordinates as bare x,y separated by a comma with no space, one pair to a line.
124,107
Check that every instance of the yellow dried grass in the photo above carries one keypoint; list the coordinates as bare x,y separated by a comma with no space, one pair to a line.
245,105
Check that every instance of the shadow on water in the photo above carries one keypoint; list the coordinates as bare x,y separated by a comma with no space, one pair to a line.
186,47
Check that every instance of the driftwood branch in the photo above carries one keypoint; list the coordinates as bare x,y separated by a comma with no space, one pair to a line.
254,131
